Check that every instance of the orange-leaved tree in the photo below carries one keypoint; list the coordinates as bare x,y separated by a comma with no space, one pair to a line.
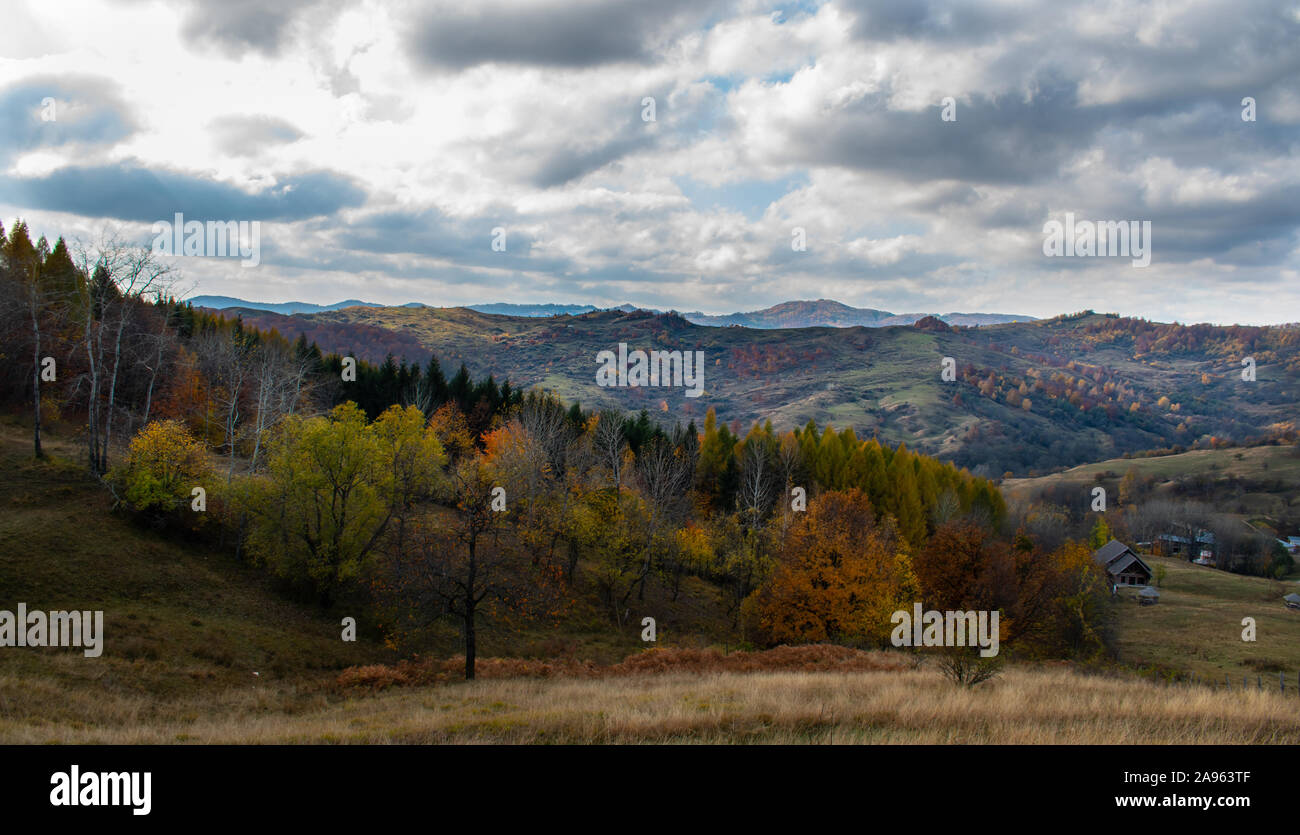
840,576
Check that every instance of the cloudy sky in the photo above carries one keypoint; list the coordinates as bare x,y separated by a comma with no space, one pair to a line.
380,143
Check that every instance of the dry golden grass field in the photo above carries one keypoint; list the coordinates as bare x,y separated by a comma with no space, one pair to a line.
1024,706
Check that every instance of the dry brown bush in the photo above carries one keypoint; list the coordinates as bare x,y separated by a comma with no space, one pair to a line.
809,658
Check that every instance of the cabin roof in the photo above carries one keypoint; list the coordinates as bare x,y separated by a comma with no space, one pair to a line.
1125,562
1110,551
1118,558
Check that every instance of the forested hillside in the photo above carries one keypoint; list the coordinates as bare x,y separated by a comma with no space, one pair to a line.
1028,397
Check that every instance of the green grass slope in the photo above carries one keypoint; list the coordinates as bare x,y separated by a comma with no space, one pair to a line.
185,628
1196,627
1254,482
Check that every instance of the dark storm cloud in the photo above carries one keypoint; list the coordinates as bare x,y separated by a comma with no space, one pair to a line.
1206,133
994,140
555,34
87,110
1173,92
246,135
538,159
1258,232
135,193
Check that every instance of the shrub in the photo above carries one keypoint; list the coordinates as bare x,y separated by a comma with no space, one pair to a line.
966,667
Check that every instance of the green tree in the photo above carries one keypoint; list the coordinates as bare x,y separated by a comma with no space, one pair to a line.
333,487
1100,534
906,498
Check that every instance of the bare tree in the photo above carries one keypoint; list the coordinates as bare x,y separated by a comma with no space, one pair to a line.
610,442
279,380
161,347
547,422
123,278
227,363
758,486
666,470
36,303
790,467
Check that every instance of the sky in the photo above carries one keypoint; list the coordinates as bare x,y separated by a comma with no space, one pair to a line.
918,148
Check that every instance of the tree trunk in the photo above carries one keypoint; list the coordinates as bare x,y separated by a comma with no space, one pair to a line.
471,644
573,558
153,376
112,390
36,380
92,402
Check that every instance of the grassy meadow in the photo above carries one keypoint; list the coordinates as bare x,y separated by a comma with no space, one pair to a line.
1196,627
1260,481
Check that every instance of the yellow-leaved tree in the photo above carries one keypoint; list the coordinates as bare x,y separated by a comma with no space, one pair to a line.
163,466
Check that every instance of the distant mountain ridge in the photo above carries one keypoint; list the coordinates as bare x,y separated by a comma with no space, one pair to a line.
825,313
286,308
828,313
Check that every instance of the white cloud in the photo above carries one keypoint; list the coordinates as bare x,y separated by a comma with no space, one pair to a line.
765,121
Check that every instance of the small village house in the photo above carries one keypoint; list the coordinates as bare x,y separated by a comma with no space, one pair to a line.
1200,548
1123,565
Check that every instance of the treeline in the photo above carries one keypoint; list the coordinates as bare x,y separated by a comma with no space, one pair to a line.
96,338
1148,339
752,473
412,521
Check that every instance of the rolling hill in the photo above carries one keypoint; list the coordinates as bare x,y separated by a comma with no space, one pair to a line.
286,308
1028,397
1260,482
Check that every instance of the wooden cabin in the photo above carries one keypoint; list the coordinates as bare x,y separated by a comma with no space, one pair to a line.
1123,565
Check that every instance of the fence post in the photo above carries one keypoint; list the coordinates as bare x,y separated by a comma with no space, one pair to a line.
1281,682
